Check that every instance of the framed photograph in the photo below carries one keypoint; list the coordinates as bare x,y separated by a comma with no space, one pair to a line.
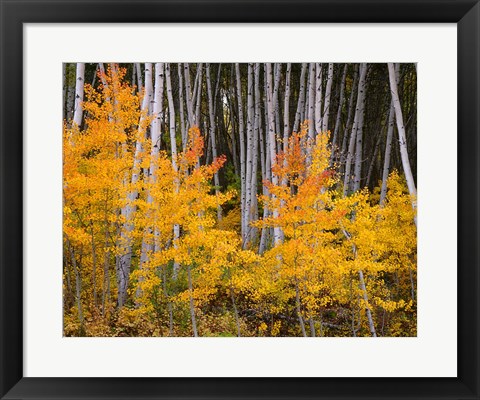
233,199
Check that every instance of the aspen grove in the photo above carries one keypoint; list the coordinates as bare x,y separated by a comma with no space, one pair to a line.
259,199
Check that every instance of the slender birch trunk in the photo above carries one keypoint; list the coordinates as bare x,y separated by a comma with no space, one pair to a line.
70,106
188,95
363,288
249,153
312,327
94,265
353,137
124,260
328,92
371,324
64,89
192,304
173,146
95,76
235,311
78,285
242,151
339,114
318,98
343,151
299,311
388,151
256,139
402,137
356,138
277,235
311,103
196,115
359,133
181,108
211,113
134,77
301,99
276,108
79,87
155,131
286,108
267,174
139,76
106,263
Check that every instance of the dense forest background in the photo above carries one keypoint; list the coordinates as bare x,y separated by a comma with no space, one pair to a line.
259,199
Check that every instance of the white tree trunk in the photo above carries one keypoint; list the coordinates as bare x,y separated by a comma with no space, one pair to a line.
199,80
286,108
64,89
276,107
256,136
277,235
139,76
371,324
242,150
125,258
311,103
249,152
79,87
388,152
211,114
359,138
157,112
301,99
181,108
353,137
173,146
267,175
155,130
328,92
188,95
402,137
70,106
339,114
318,98
343,150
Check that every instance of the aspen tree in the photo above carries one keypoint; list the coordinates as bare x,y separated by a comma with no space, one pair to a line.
286,107
402,137
124,259
188,95
301,99
256,139
311,103
148,244
211,111
351,107
339,114
388,152
328,92
359,131
181,108
242,151
277,235
79,85
173,147
318,99
249,152
356,123
198,92
70,100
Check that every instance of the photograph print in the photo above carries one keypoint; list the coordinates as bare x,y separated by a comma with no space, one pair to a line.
239,199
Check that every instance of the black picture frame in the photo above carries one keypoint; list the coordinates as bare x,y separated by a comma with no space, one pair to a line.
14,13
